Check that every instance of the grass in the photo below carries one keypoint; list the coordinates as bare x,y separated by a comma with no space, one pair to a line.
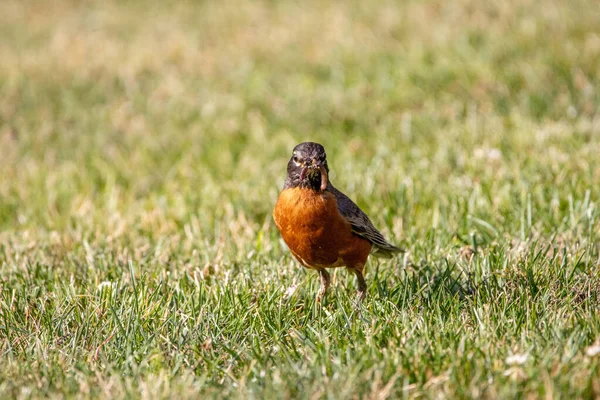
142,148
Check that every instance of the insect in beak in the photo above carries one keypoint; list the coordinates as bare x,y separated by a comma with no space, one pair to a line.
321,169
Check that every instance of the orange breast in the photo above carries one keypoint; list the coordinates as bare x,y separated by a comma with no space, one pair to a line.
315,231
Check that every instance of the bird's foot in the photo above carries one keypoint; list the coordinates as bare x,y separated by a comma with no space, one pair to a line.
361,294
321,296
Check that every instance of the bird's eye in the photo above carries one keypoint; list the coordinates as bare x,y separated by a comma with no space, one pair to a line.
296,159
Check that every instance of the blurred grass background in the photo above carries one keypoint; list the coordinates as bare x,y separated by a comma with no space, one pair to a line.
150,139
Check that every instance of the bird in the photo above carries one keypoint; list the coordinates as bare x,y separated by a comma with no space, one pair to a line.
320,225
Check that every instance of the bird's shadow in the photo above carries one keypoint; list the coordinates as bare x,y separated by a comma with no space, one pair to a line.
424,282
404,284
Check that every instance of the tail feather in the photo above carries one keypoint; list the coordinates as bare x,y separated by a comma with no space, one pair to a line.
386,251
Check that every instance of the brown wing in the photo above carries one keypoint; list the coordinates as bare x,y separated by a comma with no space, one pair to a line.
362,225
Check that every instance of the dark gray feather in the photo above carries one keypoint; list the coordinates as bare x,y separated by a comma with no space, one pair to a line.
362,225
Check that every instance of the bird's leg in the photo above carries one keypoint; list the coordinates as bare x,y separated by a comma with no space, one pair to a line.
325,280
362,285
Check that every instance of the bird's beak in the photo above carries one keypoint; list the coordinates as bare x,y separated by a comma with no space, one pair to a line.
321,168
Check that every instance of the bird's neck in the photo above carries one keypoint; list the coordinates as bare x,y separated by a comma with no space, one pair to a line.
312,182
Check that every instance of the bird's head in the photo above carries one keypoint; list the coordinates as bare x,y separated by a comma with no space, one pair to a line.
307,167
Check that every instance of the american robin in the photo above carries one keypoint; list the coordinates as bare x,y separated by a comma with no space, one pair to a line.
322,227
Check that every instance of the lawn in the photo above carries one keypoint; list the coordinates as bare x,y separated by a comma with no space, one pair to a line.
143,146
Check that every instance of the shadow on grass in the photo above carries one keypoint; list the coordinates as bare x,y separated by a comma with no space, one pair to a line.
425,283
